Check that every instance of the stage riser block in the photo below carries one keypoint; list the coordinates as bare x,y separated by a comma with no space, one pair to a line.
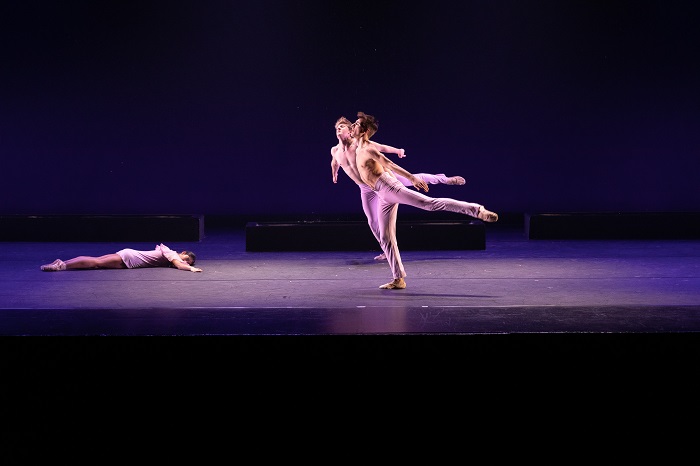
625,225
356,236
88,228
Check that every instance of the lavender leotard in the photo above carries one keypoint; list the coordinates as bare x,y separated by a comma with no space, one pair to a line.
161,256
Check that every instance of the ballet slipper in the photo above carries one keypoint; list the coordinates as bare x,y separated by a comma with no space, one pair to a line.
455,180
396,284
55,266
487,215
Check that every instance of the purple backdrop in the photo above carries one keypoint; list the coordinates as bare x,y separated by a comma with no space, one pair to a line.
227,108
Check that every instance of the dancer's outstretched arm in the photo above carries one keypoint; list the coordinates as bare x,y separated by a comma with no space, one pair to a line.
389,165
388,149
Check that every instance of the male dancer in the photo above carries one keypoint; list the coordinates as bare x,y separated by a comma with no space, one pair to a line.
377,172
343,155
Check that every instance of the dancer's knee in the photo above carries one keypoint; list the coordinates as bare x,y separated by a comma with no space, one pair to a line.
385,242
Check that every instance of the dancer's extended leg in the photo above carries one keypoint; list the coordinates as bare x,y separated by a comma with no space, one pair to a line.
393,191
429,178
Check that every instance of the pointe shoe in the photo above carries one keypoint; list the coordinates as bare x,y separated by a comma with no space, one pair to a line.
396,284
380,257
487,215
55,266
456,180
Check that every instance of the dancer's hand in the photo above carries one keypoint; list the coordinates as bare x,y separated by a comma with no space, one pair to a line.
419,184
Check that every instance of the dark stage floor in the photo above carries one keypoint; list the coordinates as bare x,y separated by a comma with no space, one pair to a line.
519,298
515,285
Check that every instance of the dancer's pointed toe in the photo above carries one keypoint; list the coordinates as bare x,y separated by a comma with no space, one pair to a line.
456,180
487,215
54,266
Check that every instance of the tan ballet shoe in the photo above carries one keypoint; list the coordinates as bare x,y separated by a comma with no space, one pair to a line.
55,266
487,215
396,284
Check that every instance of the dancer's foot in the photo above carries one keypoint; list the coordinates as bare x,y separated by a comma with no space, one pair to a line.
455,180
54,266
380,257
487,215
396,284
54,263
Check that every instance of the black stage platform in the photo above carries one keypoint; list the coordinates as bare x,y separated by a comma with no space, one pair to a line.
416,235
613,225
88,228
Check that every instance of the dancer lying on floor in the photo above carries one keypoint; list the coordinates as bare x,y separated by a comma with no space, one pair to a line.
161,256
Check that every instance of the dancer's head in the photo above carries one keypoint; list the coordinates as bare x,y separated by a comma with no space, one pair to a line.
367,123
188,257
342,128
342,121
